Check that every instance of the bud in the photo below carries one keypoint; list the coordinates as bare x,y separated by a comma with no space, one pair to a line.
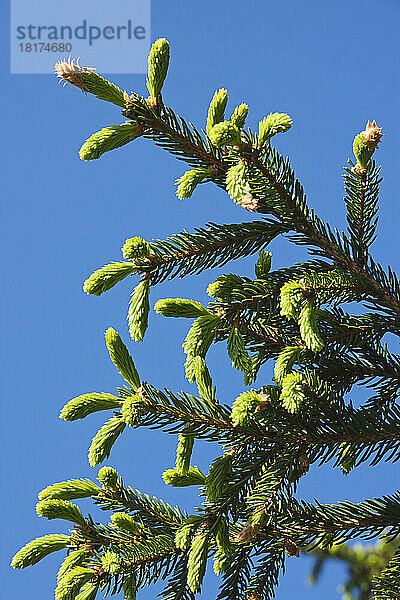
82,406
70,71
271,125
365,144
193,476
184,452
121,358
290,298
258,517
73,581
309,331
247,533
37,549
88,81
136,247
224,286
104,440
239,115
218,476
74,559
292,395
180,307
132,410
248,202
125,522
216,111
237,184
69,490
197,561
109,138
244,407
111,562
108,477
138,311
221,562
372,135
60,509
224,134
237,350
158,66
196,370
189,181
105,278
222,537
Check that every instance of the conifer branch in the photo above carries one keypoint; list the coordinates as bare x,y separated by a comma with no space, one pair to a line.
250,518
301,220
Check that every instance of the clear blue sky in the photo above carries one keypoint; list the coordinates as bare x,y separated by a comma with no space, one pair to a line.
331,66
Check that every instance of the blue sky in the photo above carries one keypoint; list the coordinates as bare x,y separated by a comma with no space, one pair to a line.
331,66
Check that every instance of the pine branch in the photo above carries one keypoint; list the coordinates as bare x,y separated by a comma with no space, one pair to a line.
208,247
236,575
250,517
328,524
362,191
278,178
152,512
173,133
315,232
271,561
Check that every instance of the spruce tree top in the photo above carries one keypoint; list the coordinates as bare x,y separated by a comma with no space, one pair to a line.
250,520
